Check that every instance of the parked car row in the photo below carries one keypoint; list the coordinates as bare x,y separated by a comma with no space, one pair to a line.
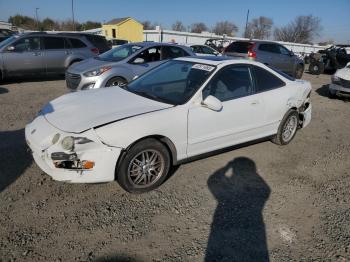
184,107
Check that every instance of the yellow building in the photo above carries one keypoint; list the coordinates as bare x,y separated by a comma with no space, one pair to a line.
123,28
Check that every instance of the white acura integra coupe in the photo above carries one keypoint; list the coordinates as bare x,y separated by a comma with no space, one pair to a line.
183,108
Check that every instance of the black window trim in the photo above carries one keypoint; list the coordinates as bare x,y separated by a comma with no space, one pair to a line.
256,83
252,74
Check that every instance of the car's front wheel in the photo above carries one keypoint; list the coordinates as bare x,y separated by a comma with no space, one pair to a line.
144,167
116,81
287,129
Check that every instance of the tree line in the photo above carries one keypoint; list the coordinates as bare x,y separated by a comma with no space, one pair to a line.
48,24
303,29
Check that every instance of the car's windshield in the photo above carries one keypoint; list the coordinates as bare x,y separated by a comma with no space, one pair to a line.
7,41
173,82
119,53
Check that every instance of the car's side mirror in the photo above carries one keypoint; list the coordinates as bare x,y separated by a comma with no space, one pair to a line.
139,60
212,103
10,48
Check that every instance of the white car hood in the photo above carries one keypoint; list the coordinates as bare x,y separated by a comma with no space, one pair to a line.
77,112
343,73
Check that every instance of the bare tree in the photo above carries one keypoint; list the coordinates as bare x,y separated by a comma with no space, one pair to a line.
303,29
147,25
259,28
225,27
198,27
178,26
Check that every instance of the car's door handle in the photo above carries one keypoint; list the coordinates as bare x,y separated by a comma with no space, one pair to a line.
255,102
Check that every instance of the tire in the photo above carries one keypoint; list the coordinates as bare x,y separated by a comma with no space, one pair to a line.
135,175
116,81
299,71
316,68
280,138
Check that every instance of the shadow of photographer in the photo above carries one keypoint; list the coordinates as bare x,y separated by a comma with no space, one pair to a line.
238,229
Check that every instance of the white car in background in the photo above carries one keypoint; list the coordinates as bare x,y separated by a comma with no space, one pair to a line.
340,85
180,109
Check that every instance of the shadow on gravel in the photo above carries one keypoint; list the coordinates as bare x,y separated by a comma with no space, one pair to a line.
14,157
238,229
16,80
323,91
3,90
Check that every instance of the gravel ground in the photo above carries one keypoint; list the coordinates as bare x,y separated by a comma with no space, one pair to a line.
256,203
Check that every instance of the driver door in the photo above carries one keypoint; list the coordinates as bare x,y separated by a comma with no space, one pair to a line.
146,60
239,120
26,58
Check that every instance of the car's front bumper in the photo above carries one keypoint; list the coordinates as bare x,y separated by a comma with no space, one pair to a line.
339,90
104,157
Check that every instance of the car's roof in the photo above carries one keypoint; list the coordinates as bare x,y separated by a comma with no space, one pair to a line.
147,44
212,60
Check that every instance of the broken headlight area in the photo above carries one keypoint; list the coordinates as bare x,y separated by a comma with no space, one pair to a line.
70,161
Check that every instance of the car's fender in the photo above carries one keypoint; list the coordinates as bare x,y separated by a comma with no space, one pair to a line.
168,123
118,70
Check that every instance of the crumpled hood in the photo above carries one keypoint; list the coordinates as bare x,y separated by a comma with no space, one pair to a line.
77,112
343,73
89,64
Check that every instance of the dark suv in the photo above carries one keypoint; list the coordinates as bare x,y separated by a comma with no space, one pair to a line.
268,53
47,53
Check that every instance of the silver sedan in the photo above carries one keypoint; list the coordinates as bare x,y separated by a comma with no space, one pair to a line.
120,65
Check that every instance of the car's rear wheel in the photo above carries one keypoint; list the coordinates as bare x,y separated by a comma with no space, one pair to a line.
299,71
316,68
144,167
116,81
287,129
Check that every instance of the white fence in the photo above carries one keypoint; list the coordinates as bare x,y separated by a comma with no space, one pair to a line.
159,35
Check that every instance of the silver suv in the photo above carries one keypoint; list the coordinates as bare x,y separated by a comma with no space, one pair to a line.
269,53
120,65
46,53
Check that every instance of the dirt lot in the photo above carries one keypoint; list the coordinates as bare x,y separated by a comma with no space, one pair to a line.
254,203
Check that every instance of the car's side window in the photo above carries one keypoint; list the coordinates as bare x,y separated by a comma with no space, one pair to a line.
283,50
170,52
271,48
27,44
150,55
231,82
207,50
265,80
76,43
54,43
196,49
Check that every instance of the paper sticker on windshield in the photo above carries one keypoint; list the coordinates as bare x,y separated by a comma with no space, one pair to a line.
203,67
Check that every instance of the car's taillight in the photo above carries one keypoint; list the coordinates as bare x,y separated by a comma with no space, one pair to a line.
95,50
251,53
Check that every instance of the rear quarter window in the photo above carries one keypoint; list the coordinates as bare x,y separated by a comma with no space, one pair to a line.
76,43
265,80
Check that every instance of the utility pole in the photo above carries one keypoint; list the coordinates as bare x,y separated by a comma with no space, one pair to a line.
246,23
37,19
73,16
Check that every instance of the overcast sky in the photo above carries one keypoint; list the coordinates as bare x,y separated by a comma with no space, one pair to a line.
335,15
